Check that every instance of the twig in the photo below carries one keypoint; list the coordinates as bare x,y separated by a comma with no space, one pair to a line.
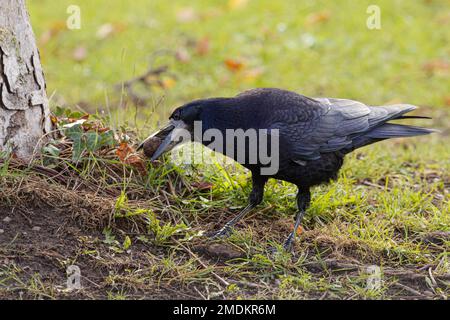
247,284
222,280
409,289
201,294
370,184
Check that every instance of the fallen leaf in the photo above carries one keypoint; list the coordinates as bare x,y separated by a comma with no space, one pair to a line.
53,119
109,29
55,28
186,15
202,46
234,65
138,163
253,74
80,53
123,151
202,185
127,155
317,17
168,83
237,4
447,101
444,18
182,55
436,66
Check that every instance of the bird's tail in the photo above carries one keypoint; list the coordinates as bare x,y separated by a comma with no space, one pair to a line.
385,130
393,130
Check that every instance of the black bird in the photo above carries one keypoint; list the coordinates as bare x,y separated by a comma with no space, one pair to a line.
314,136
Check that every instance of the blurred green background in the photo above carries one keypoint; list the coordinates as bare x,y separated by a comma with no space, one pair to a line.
215,48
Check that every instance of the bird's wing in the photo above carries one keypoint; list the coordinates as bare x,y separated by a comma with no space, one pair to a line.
320,125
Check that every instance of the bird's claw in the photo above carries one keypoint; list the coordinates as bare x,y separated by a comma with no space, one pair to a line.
288,243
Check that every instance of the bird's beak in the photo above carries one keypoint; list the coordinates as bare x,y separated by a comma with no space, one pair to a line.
171,134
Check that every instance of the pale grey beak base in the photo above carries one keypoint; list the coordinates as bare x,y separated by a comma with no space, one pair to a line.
165,146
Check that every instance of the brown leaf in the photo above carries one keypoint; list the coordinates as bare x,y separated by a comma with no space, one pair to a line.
138,163
123,151
127,155
237,4
253,74
317,17
436,66
234,65
202,185
299,230
447,101
443,18
182,55
53,119
168,83
186,15
80,53
55,28
109,29
202,46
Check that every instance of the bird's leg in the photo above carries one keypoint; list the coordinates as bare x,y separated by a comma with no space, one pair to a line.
256,196
303,201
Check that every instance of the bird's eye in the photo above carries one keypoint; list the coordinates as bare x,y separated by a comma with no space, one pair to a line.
176,116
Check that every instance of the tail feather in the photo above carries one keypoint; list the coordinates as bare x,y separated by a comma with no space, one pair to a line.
380,129
391,130
412,117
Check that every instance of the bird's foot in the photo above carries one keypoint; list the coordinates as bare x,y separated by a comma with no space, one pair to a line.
222,233
288,243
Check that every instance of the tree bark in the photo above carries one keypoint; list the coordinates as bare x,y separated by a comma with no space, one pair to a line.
24,110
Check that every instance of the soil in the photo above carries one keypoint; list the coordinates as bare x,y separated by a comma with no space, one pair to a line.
45,242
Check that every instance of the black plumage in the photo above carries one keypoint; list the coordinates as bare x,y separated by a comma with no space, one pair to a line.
314,134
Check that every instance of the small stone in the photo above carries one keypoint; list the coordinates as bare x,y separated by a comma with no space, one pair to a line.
2,231
36,228
7,219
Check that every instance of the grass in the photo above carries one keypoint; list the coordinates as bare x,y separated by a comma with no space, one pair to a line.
141,236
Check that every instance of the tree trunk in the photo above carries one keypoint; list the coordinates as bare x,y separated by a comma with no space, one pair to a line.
24,111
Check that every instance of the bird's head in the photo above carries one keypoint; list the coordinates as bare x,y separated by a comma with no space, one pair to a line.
180,127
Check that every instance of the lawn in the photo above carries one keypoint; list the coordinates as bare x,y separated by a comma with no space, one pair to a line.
141,236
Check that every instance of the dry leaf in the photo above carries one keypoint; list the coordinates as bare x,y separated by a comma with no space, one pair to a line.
317,17
127,155
253,74
237,4
234,65
52,32
437,66
182,55
202,46
444,18
80,53
108,29
53,119
447,101
186,15
137,162
168,83
202,185
123,151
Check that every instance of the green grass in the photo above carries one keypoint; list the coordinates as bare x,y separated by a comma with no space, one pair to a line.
389,198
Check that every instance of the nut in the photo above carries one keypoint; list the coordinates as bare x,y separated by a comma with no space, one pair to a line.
151,145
